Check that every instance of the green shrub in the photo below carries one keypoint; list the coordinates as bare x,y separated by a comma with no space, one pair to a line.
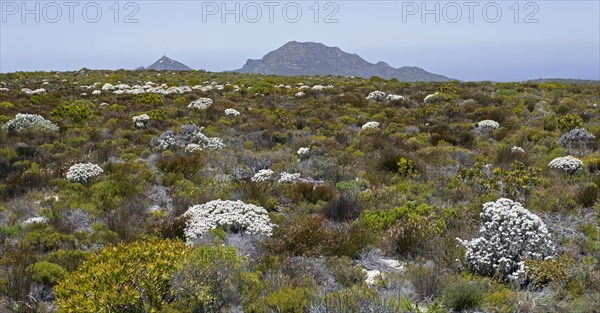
541,272
78,111
406,167
127,277
209,279
463,295
149,98
569,121
47,273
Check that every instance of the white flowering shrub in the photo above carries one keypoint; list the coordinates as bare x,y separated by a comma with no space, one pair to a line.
262,175
488,124
566,164
35,220
234,216
193,147
201,104
96,92
188,137
516,149
431,97
83,172
393,97
286,177
576,137
318,87
140,121
299,94
376,95
232,112
371,124
30,92
303,151
510,234
108,86
22,122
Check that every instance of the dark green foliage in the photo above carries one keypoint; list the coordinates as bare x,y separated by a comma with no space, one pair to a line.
463,295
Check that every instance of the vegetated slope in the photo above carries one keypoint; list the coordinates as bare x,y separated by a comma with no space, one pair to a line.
139,191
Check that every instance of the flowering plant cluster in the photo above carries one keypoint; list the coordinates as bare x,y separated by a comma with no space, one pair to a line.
35,220
190,137
83,172
140,121
299,94
30,92
303,151
371,124
566,164
510,234
235,216
516,149
376,95
431,97
286,177
262,175
22,122
488,124
576,137
232,112
201,104
393,97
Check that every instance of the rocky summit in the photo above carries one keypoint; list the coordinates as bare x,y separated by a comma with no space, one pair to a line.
166,64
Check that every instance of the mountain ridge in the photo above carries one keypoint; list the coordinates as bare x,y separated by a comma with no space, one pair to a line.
311,58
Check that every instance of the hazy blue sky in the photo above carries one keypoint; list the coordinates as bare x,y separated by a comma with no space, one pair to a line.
561,40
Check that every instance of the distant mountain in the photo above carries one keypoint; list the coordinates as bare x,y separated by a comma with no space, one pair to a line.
311,58
166,64
564,81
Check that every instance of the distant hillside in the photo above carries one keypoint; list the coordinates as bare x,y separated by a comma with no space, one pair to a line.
564,81
166,64
310,58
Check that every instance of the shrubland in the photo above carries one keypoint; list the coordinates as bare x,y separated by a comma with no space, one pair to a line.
191,191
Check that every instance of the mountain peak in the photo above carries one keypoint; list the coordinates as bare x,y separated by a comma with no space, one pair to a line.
167,64
313,58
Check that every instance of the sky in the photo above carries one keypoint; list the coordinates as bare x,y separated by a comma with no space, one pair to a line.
468,40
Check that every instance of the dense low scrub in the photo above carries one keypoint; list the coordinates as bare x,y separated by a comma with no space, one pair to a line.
303,194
